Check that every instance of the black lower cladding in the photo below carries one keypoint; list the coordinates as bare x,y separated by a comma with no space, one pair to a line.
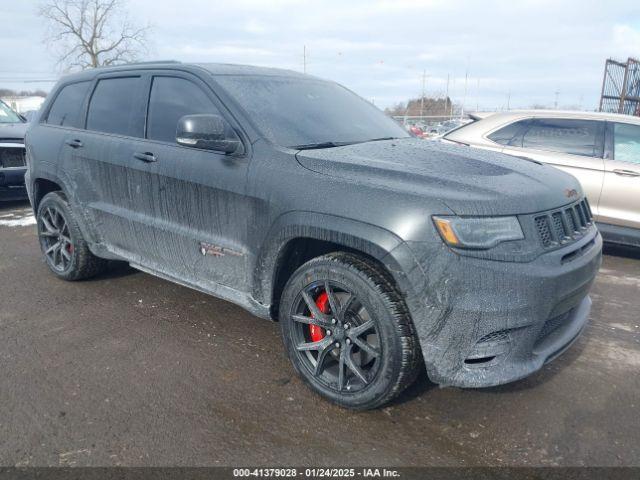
619,235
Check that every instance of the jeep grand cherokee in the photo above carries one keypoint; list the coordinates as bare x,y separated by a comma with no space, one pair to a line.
380,254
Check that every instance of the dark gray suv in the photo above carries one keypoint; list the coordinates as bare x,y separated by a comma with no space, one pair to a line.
380,254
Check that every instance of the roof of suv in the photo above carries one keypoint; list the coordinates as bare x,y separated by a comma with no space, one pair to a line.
213,68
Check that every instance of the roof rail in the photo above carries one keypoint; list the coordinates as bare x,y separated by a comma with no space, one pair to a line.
149,62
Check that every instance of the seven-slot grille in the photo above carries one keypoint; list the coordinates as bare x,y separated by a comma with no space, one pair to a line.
11,157
561,226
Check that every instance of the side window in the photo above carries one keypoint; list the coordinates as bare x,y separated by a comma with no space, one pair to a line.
112,108
575,137
626,143
511,135
172,98
66,110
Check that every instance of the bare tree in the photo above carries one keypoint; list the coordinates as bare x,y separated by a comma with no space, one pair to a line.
92,33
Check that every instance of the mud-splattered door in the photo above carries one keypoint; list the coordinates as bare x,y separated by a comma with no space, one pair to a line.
191,202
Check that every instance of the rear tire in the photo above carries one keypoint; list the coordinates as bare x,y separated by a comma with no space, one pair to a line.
63,246
347,331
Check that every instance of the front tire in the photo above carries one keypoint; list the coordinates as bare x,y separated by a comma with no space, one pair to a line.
63,246
348,332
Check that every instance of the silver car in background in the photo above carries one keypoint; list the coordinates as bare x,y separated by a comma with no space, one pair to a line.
602,150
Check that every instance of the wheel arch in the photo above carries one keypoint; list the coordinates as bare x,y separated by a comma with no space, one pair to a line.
47,182
43,185
296,237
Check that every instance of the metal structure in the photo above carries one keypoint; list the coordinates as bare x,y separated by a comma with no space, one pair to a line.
621,87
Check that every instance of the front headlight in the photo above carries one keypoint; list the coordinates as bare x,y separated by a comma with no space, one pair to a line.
478,232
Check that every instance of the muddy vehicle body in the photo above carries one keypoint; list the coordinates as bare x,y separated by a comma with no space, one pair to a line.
381,255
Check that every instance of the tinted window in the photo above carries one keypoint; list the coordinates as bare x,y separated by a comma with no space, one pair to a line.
294,111
112,108
510,135
626,142
172,98
575,137
67,107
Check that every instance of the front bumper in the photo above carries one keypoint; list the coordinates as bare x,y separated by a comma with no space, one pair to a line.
483,323
12,186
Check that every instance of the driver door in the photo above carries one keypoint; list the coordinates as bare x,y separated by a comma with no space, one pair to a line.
193,214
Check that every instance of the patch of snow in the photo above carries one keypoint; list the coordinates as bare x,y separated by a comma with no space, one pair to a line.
18,222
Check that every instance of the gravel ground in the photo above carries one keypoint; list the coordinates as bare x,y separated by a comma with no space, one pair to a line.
127,369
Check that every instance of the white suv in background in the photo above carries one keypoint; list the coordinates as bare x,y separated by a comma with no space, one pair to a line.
602,150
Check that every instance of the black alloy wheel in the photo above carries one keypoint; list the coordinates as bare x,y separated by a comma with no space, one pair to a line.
348,332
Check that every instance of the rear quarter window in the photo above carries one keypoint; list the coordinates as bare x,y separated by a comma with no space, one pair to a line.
66,110
511,135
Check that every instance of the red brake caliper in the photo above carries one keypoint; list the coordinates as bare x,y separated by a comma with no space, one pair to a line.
317,333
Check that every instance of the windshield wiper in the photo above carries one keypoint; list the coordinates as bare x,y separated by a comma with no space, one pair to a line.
381,139
315,146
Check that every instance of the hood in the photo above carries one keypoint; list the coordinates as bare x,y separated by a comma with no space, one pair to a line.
467,180
12,131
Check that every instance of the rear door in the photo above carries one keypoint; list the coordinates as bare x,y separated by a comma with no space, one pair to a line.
620,201
103,157
574,146
59,126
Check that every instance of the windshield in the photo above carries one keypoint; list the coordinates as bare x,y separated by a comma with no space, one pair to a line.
7,115
299,112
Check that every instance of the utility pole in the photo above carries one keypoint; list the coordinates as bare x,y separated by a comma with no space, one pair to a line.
555,104
464,98
446,99
466,80
424,92
509,100
304,59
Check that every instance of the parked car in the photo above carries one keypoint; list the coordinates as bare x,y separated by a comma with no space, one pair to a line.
12,154
377,252
602,150
416,131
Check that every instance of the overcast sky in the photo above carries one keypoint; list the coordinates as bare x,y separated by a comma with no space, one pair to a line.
528,48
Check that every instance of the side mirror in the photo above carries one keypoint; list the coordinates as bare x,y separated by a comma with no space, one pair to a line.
208,132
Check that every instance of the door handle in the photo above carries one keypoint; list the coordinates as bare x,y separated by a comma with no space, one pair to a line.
626,173
145,156
74,143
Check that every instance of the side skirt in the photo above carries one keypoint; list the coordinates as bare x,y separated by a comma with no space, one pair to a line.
619,235
217,290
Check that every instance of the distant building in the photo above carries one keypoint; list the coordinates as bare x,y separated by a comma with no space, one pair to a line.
426,106
24,104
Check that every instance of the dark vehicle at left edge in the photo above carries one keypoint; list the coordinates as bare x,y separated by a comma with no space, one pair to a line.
12,154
